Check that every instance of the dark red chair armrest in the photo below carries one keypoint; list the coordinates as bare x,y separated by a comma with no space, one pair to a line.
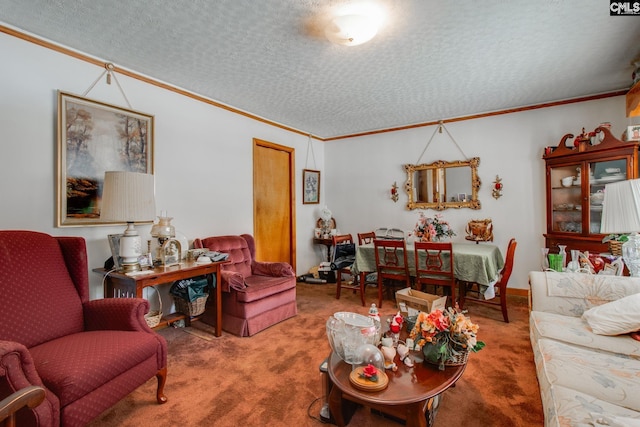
18,371
17,365
118,314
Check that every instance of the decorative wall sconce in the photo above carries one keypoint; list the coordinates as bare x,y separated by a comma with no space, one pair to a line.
394,192
496,191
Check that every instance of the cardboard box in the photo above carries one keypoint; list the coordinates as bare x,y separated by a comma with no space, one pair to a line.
411,301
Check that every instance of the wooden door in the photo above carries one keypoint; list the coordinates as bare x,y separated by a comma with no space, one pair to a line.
274,202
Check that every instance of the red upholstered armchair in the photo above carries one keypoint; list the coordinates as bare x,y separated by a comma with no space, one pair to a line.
255,295
86,354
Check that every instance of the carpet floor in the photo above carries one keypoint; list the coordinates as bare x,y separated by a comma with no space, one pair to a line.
273,378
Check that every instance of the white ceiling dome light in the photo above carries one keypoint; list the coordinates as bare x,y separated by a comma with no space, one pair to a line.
354,24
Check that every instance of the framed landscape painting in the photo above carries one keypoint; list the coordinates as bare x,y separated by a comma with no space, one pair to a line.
310,186
95,137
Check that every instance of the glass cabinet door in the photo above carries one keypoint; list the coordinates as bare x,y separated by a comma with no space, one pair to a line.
566,198
600,174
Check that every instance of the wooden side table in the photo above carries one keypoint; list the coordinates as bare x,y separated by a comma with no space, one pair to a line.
119,285
327,242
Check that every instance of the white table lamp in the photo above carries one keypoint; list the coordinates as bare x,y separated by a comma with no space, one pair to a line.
128,197
620,215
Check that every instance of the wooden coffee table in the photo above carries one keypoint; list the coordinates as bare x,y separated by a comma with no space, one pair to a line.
412,394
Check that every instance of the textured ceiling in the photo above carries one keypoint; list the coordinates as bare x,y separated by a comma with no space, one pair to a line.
432,60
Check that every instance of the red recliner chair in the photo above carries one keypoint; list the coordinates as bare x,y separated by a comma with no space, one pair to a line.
86,354
255,295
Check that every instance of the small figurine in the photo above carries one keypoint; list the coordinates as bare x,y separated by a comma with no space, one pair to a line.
396,323
403,352
395,326
389,354
373,312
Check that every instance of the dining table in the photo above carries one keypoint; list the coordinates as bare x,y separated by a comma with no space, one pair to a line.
473,263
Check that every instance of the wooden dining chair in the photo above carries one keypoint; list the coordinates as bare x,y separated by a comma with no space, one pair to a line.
343,258
366,238
391,264
434,267
500,286
367,277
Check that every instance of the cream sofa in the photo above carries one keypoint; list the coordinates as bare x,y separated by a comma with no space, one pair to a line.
586,379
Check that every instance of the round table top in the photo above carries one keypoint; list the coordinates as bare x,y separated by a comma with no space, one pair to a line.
406,385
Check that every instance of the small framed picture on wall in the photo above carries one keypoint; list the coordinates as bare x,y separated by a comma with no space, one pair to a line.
310,186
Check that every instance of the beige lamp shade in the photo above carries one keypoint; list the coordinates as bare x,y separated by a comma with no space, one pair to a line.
128,197
621,207
620,215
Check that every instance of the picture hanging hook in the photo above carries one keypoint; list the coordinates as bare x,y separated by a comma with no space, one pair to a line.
109,67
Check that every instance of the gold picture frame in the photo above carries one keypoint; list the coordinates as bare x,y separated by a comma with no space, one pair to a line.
95,137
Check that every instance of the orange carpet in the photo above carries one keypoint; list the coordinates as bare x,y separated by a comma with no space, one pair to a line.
273,379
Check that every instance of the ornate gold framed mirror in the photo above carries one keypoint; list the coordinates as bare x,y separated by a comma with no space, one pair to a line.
441,185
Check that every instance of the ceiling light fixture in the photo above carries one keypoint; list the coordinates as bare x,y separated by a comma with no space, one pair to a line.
354,24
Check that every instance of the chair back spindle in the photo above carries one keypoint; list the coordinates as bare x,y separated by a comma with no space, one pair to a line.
434,266
391,263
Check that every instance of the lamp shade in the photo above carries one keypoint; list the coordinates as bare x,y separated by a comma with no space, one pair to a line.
128,197
621,207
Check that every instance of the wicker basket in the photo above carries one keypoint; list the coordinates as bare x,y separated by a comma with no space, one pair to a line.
194,308
153,317
458,360
615,247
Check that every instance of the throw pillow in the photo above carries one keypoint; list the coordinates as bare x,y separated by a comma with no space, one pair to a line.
616,317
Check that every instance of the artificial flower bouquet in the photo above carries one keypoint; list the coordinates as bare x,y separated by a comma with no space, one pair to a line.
432,229
444,336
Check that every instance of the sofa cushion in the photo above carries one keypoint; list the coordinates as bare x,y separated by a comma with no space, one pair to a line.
617,317
603,375
572,294
574,330
574,408
259,287
74,365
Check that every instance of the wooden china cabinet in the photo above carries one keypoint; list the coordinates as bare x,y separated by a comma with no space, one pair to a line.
575,180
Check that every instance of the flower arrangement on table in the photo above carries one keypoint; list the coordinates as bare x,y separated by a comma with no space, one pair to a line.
432,229
445,336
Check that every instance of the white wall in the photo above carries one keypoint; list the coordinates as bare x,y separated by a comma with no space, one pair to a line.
360,172
203,161
203,154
